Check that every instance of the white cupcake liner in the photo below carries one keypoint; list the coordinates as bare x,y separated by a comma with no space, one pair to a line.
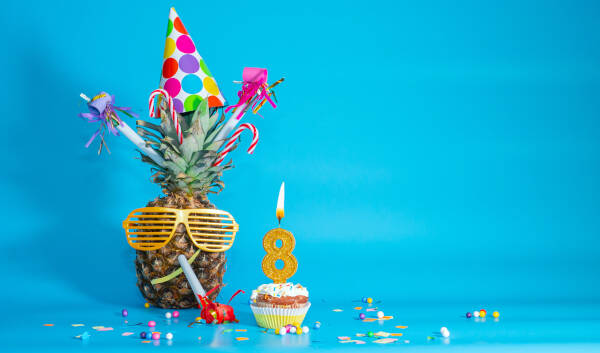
276,317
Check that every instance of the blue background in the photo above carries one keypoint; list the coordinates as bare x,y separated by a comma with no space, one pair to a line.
433,152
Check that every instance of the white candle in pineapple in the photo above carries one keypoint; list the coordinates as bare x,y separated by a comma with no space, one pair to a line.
191,277
279,212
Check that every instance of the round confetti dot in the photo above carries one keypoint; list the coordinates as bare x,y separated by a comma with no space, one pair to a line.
475,313
185,44
156,336
172,86
175,314
214,102
364,299
169,68
469,315
317,325
146,305
189,64
179,26
191,84
380,314
151,323
446,333
482,313
169,336
299,331
170,27
178,105
204,67
168,315
282,331
192,102
124,312
143,335
293,329
169,48
369,300
496,314
211,86
305,329
362,316
370,334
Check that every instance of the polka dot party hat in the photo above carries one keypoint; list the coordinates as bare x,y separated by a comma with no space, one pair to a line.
185,75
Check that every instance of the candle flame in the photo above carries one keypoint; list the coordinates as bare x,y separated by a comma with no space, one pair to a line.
279,212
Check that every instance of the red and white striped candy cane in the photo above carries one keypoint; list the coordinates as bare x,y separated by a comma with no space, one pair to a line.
162,92
234,137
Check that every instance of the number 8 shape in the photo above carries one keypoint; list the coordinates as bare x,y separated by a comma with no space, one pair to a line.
283,253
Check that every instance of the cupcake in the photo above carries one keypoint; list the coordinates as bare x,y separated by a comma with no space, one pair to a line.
278,304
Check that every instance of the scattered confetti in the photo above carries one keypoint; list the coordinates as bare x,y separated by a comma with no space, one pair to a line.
401,326
105,329
77,325
84,336
338,310
242,338
385,340
381,334
343,338
49,325
127,334
240,330
358,308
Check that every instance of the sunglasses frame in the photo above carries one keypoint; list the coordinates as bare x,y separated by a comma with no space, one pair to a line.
220,224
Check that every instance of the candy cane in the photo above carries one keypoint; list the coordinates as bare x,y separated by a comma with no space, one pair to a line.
234,137
162,92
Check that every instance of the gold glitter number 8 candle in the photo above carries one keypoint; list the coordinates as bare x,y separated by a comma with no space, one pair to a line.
284,252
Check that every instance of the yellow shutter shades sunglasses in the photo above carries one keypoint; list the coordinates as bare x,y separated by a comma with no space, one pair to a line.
151,228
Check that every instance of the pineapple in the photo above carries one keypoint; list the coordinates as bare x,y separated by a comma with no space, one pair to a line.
186,178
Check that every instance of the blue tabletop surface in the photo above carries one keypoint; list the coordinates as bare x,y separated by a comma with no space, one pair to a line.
523,327
439,156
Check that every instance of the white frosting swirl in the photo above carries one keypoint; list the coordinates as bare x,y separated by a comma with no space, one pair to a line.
279,290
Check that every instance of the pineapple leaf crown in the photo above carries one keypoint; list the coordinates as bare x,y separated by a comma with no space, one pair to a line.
189,167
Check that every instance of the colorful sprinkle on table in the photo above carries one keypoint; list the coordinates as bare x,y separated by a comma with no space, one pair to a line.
396,334
146,341
77,325
358,308
242,338
371,309
385,340
48,325
240,330
343,338
338,310
401,326
127,334
381,334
